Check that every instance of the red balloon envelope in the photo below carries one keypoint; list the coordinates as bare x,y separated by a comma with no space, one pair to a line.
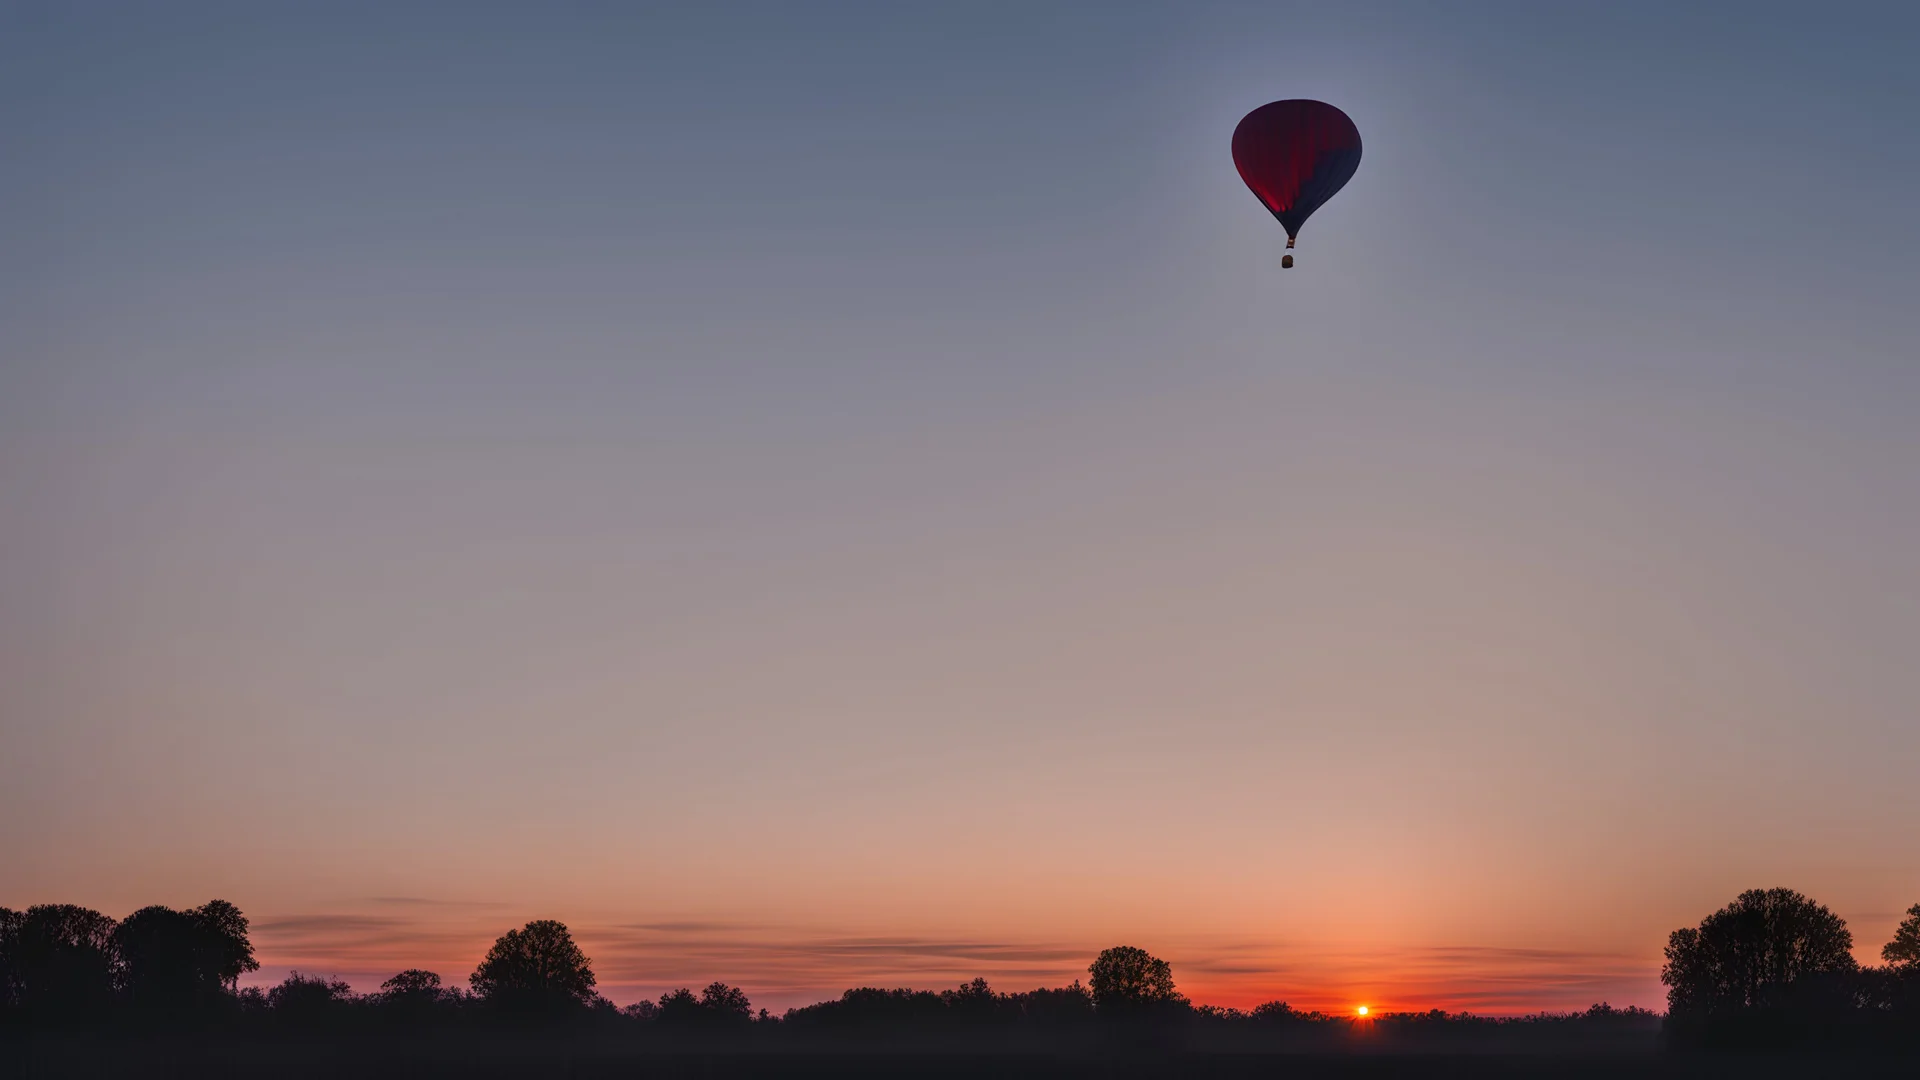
1295,155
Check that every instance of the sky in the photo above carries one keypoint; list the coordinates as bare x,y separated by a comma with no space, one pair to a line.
823,495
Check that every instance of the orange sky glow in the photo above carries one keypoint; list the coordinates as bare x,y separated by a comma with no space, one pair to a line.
785,966
781,968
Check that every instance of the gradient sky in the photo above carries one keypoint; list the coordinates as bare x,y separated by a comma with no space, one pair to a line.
816,495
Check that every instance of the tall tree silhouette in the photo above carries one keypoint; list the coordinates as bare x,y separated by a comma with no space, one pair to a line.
1126,978
536,967
1904,950
229,953
1763,950
175,960
57,961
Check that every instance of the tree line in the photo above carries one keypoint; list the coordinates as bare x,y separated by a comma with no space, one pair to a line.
1772,966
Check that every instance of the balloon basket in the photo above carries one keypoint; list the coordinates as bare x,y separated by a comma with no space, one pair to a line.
1286,262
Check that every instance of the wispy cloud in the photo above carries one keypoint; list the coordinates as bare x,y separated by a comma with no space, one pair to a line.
429,902
300,925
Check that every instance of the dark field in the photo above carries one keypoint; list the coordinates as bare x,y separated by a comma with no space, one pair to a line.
81,1057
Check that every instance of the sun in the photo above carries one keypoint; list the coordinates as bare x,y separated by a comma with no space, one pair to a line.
1362,1010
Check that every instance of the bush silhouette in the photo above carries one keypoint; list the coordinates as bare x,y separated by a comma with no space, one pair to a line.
308,1001
413,982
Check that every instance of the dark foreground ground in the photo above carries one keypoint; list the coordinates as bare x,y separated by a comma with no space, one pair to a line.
335,1058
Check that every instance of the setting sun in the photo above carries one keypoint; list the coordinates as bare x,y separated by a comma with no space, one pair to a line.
1362,1010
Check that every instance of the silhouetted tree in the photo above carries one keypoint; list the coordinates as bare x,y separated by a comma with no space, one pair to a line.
299,991
717,1006
174,960
413,982
229,952
1904,950
1127,978
415,998
1275,1013
1601,1012
1057,1007
309,1001
61,962
974,1003
10,923
680,1010
252,1001
537,967
726,1004
1771,951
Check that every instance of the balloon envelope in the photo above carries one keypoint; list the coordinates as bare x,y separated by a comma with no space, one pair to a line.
1294,155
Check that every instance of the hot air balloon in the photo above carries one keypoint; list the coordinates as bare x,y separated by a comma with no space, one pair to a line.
1294,155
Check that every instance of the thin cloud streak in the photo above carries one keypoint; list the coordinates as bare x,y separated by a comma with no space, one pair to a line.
429,902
